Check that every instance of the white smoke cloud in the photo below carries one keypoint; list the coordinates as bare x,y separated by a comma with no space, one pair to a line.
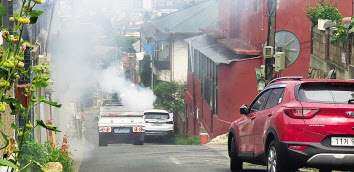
133,97
78,40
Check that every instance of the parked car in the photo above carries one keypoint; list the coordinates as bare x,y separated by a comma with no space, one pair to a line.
158,123
296,123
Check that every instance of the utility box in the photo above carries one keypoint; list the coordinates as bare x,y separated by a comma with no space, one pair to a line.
279,61
268,52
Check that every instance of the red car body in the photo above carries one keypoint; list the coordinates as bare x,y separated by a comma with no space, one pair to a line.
311,123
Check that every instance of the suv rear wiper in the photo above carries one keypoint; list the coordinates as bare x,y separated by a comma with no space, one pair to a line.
351,101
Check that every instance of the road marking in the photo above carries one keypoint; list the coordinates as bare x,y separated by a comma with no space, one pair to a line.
174,160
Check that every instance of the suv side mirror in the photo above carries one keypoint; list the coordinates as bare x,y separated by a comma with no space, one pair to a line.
243,109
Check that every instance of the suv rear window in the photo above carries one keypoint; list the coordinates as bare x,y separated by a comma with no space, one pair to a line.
157,116
339,93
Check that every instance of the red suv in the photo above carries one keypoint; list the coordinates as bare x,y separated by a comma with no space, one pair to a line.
295,123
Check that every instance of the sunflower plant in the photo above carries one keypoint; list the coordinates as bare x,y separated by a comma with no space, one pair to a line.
11,69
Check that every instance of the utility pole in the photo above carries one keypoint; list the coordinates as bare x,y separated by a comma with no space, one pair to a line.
270,49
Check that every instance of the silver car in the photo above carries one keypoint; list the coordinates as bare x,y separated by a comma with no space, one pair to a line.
158,123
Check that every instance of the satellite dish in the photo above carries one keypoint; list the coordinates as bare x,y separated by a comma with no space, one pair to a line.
287,42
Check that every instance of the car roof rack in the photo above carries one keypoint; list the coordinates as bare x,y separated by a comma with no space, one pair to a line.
287,77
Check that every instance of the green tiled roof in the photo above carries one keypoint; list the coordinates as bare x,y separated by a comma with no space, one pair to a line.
202,15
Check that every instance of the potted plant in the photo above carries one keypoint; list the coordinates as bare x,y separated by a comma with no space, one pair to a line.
321,13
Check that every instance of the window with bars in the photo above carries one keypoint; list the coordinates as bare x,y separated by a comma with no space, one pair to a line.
206,72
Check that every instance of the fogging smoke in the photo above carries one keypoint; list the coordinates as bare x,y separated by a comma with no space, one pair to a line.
133,97
81,39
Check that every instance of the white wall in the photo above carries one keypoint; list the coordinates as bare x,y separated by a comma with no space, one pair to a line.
179,61
164,75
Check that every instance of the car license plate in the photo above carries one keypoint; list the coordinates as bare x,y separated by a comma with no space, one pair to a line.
342,141
121,130
154,124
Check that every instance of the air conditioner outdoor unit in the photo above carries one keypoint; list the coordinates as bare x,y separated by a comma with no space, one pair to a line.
279,61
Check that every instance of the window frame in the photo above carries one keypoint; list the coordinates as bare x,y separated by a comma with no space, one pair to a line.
262,92
281,96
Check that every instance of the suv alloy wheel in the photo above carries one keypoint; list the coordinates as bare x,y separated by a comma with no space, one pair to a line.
273,160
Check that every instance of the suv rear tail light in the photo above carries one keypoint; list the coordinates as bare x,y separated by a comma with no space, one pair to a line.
138,129
169,122
105,129
301,113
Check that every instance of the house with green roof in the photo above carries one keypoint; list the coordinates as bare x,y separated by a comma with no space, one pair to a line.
164,39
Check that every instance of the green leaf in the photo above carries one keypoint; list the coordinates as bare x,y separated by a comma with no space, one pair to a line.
49,127
12,100
24,72
35,13
33,20
16,150
42,99
16,14
41,83
13,126
2,122
6,139
2,10
351,30
4,162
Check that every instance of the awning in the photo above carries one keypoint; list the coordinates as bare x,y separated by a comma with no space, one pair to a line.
148,48
136,46
214,51
240,47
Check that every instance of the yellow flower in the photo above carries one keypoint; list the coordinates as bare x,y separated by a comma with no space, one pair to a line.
12,19
20,65
24,20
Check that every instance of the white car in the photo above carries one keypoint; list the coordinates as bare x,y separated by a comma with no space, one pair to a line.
158,123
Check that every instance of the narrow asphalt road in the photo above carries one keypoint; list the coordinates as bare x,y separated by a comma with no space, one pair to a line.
153,156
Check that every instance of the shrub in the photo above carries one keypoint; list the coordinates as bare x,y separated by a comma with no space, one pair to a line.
172,96
323,10
190,140
32,151
58,155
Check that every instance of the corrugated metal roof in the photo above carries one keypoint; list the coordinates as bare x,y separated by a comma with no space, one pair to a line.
215,52
204,14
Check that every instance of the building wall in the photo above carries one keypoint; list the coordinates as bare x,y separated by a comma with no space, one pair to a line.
237,85
163,75
194,90
254,25
179,60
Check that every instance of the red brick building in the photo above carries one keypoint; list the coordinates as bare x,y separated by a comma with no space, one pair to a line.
221,72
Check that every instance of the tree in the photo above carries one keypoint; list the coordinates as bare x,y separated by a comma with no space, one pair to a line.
145,73
172,95
126,43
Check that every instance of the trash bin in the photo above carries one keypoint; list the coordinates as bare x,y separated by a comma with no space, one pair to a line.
203,138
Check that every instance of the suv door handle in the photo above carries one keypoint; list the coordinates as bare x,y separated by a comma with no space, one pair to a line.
269,115
253,117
